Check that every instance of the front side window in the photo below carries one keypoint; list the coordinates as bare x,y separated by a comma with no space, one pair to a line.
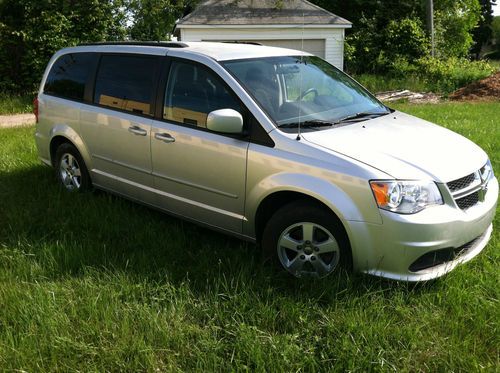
68,75
192,92
305,90
126,82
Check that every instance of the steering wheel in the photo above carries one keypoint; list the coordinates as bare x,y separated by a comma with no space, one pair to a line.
306,92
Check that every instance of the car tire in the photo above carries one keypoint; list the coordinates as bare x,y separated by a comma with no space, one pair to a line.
307,240
71,170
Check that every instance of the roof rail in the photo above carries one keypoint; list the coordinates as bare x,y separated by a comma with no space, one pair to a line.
242,42
167,44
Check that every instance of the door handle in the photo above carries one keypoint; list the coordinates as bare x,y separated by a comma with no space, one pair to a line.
165,137
137,131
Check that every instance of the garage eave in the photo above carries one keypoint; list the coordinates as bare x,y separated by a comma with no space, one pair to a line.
280,26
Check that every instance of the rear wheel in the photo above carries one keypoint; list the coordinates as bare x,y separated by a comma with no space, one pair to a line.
71,170
307,240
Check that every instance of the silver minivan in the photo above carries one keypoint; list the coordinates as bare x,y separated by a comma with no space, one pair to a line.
273,145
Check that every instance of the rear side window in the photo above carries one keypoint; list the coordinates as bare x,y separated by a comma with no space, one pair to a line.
126,82
68,75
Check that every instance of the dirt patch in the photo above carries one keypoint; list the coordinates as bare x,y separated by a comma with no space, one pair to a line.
16,120
487,89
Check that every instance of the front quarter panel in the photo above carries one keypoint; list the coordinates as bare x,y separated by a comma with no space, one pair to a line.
340,184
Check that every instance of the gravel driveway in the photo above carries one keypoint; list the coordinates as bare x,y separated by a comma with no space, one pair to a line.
16,120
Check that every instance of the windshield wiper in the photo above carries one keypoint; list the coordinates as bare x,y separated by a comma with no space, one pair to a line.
308,124
359,116
330,123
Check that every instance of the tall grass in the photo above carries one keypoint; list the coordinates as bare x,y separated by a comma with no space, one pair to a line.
495,64
96,283
429,75
15,104
380,83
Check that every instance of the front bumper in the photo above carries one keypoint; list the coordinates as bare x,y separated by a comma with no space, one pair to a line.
390,249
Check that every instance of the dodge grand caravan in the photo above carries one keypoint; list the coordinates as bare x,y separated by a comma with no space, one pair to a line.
275,146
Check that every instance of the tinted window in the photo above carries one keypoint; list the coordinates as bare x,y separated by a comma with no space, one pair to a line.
192,92
126,82
68,75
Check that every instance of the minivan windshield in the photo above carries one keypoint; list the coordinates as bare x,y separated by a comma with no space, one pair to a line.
305,90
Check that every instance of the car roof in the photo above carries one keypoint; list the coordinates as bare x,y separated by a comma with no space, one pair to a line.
235,51
215,50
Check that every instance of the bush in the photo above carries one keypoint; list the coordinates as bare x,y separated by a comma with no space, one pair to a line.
427,74
406,38
399,41
446,76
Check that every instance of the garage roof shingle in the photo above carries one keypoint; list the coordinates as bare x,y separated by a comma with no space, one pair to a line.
260,12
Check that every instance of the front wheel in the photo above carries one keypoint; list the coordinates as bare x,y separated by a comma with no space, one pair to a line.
307,240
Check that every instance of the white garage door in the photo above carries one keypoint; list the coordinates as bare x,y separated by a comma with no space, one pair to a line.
313,46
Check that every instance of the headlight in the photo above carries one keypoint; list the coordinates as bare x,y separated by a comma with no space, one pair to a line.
486,172
405,197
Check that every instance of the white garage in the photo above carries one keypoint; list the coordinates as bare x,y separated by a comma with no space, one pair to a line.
296,24
314,46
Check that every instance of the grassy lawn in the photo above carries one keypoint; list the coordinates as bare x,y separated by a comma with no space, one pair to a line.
15,104
96,283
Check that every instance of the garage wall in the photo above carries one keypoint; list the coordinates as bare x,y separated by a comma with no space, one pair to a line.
332,38
313,46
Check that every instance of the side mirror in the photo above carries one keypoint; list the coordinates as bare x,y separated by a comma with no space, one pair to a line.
225,121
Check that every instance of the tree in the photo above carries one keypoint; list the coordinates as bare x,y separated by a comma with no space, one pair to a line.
495,26
367,43
455,22
153,19
483,32
31,31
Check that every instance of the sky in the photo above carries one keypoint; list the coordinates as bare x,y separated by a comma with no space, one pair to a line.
496,9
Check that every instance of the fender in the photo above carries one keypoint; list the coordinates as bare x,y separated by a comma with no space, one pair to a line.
69,133
330,194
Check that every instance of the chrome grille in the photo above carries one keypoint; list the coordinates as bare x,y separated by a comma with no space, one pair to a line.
468,201
470,190
461,183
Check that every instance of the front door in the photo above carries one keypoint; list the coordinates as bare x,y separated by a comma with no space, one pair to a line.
199,174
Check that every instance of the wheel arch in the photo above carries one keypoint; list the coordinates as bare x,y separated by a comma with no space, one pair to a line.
276,190
61,134
276,200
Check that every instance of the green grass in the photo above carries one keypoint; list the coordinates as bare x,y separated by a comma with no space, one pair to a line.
15,104
96,283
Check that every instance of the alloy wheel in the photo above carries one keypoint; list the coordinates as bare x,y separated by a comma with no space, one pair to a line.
308,249
70,172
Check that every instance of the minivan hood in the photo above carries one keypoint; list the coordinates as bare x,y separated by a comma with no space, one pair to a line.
404,147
